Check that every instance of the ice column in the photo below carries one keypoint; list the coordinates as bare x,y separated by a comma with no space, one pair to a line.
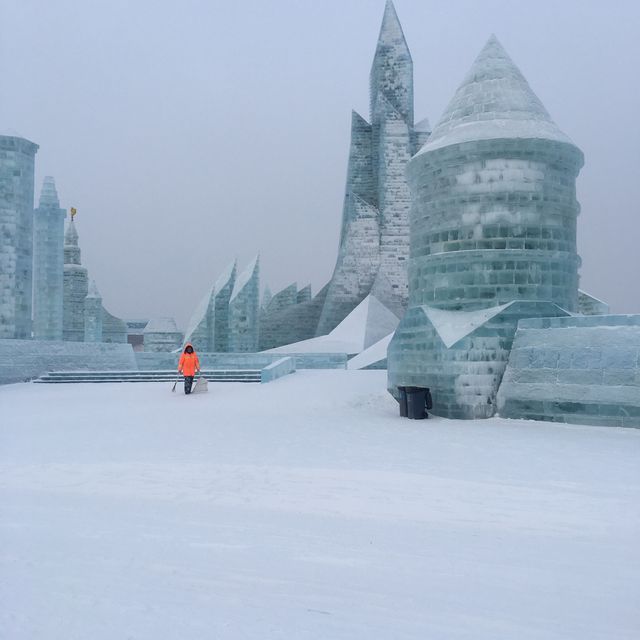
48,264
17,158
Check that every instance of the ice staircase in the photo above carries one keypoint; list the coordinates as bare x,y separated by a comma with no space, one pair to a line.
212,375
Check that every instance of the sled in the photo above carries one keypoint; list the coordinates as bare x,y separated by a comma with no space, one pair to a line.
201,385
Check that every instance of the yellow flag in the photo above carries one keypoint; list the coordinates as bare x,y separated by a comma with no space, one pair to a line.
73,212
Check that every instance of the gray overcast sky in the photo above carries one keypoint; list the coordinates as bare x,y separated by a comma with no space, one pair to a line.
188,133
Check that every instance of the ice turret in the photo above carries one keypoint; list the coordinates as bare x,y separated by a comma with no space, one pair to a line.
48,264
499,223
493,237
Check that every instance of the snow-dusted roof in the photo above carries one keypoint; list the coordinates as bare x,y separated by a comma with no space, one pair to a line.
493,101
161,325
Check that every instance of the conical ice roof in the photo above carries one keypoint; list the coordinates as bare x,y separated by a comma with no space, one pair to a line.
493,101
49,195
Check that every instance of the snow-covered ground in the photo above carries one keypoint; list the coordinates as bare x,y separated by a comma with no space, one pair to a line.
303,509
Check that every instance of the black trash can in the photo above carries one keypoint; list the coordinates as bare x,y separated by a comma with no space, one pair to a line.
402,392
418,400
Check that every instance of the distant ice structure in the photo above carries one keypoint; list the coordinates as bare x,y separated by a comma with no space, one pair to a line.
374,239
493,229
244,310
208,329
17,157
48,264
76,287
374,357
368,323
161,334
76,326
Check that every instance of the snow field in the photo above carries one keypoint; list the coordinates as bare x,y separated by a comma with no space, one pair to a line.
305,508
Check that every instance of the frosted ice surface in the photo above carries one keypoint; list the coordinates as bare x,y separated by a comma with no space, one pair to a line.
373,354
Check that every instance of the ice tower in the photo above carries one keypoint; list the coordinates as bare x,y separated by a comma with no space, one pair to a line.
48,264
76,287
17,157
374,239
493,237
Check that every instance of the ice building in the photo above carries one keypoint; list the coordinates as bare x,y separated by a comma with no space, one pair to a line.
17,158
493,237
48,264
75,287
374,238
208,328
244,310
161,334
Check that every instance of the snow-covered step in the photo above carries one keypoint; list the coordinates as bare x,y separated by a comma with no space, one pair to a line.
213,375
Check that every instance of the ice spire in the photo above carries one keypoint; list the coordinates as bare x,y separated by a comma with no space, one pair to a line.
392,68
71,247
49,195
494,101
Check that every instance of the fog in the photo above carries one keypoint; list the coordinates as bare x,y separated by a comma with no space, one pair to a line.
191,133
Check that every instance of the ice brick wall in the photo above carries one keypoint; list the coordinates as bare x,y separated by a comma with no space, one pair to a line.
494,221
583,370
461,356
48,264
22,360
244,310
75,287
17,157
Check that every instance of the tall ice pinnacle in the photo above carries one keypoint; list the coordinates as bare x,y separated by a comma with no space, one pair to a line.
392,68
374,239
48,264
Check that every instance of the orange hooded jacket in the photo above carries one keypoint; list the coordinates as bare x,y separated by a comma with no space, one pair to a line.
189,362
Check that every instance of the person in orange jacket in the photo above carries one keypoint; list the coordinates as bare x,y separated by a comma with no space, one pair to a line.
188,366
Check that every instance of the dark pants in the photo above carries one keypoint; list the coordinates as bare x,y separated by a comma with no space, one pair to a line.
188,382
